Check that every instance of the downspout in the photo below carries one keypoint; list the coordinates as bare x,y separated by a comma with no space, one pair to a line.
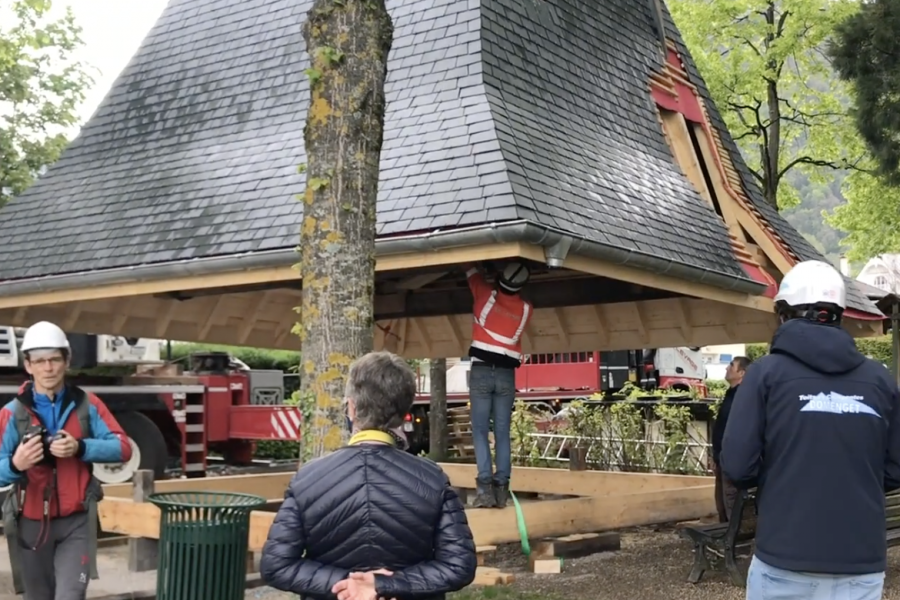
555,255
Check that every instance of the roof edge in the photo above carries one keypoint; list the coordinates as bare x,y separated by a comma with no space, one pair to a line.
557,244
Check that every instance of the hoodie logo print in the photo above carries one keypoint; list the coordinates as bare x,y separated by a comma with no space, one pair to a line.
837,404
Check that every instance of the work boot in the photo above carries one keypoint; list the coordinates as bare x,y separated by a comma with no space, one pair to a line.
484,496
501,494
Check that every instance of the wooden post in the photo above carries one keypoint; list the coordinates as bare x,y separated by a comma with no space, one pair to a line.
578,459
437,410
142,552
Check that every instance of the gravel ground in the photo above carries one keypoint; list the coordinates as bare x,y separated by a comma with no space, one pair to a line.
652,565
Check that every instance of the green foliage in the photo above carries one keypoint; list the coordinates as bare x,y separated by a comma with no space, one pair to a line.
716,387
871,216
522,426
330,56
878,348
755,351
866,51
314,75
624,435
758,58
255,358
41,88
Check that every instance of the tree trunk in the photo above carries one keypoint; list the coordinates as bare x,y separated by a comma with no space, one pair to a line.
437,410
348,42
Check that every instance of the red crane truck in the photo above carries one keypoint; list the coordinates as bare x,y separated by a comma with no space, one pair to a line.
218,405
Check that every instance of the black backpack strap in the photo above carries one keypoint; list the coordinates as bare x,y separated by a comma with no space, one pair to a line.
12,505
94,492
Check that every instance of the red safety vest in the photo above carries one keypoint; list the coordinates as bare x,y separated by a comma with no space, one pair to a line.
499,319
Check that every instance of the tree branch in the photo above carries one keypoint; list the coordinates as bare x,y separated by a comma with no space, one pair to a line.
842,165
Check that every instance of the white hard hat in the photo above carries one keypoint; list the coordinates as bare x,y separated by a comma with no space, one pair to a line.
812,282
44,336
514,277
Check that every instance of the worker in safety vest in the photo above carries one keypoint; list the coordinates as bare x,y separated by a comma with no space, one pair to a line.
816,426
51,433
500,318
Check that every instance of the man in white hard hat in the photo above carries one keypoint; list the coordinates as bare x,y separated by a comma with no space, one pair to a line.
51,434
816,426
500,317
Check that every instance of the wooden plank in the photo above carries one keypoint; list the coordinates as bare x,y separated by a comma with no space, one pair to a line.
268,485
577,545
578,483
551,518
524,479
582,515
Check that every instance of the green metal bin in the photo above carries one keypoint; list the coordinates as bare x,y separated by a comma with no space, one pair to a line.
203,544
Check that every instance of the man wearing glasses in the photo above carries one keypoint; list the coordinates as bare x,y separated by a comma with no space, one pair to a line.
50,434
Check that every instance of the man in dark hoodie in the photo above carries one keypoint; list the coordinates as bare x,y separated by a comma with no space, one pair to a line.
816,426
725,490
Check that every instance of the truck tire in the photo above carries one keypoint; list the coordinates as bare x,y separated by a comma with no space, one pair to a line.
148,450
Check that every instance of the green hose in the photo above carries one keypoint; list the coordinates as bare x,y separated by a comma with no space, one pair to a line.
520,520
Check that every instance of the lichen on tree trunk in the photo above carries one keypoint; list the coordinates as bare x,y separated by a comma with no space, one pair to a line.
348,42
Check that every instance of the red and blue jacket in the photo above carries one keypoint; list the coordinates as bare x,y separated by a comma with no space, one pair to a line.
107,443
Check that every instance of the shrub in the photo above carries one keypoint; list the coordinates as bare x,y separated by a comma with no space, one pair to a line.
255,358
878,348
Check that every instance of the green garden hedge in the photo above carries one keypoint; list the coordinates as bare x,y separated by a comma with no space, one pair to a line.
878,348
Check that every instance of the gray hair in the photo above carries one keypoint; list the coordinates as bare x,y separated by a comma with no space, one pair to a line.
383,388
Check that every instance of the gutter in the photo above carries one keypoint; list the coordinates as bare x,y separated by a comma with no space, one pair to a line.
557,245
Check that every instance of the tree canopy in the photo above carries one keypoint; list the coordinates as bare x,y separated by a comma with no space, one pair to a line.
762,62
41,87
866,51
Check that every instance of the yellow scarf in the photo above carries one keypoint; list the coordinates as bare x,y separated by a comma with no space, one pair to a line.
371,435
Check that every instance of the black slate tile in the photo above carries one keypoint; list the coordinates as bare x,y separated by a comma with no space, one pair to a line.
493,114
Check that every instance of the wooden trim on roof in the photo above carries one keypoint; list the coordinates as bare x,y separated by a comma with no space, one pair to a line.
776,249
245,278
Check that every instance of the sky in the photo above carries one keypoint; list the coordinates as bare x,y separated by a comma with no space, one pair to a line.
112,32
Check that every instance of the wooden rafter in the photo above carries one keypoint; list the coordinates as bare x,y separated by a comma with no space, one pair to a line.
620,326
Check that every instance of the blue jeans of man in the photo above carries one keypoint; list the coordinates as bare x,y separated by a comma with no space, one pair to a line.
492,392
765,582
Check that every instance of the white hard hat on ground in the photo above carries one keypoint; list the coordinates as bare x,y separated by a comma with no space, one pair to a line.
514,277
812,282
45,336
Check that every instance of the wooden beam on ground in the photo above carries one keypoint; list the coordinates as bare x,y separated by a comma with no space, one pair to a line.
524,479
578,483
550,518
268,485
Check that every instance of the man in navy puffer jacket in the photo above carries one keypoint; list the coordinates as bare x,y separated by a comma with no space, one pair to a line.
370,520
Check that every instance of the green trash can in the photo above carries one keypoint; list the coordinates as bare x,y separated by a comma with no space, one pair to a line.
203,544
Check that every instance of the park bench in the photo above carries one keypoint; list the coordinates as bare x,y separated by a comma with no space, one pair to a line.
892,515
723,539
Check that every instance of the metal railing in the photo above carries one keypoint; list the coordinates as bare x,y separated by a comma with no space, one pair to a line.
689,457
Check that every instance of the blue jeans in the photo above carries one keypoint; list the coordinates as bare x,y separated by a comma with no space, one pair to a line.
492,391
765,582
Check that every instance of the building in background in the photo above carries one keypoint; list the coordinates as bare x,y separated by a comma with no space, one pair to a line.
882,271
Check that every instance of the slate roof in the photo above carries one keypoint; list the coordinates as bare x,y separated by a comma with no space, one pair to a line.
493,115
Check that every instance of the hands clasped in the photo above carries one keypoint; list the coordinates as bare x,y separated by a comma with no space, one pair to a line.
359,586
